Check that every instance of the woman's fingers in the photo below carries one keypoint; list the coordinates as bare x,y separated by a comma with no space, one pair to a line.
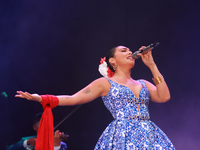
142,47
29,96
24,95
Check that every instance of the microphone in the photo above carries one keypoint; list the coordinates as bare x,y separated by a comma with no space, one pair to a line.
145,50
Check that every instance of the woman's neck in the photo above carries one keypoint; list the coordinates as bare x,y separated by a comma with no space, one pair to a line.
122,74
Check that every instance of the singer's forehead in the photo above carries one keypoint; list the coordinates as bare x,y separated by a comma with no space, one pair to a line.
122,47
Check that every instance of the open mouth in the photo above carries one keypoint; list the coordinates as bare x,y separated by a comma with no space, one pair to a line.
129,57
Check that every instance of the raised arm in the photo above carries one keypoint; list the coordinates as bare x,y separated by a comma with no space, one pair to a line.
159,93
97,88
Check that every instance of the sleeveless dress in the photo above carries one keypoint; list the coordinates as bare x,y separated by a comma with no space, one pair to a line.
131,128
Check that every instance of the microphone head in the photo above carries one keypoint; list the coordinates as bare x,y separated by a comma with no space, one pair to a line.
135,54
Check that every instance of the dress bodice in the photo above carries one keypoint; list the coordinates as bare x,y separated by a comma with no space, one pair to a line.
122,103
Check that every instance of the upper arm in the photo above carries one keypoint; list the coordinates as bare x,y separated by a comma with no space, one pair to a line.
94,90
152,90
160,96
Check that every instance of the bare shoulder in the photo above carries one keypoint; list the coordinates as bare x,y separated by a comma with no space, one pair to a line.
147,82
104,84
149,85
102,79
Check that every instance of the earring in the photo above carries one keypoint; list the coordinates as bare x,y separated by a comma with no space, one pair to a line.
114,66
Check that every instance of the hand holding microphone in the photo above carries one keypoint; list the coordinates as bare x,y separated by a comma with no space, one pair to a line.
145,50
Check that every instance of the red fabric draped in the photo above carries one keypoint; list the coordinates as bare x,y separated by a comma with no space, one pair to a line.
45,135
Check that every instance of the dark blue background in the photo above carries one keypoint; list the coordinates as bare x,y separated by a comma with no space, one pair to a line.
54,47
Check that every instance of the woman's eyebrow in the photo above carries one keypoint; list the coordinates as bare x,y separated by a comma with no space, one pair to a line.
124,48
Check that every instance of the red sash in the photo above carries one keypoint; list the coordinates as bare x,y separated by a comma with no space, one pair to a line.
45,135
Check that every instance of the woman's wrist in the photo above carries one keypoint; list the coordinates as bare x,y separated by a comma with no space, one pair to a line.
152,66
154,70
39,99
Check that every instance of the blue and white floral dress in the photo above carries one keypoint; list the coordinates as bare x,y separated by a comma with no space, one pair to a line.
131,128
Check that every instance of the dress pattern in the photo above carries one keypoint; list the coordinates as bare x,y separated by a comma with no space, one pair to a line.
131,128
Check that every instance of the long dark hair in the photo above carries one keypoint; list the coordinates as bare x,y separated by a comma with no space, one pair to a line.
109,55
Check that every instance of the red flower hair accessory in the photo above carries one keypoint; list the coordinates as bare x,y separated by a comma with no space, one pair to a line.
104,69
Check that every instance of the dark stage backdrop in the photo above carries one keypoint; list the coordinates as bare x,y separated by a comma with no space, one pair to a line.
54,47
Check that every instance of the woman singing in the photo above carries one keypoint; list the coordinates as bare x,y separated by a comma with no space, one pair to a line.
127,100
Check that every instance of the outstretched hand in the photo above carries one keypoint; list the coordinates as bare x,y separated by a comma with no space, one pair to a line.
147,58
28,96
